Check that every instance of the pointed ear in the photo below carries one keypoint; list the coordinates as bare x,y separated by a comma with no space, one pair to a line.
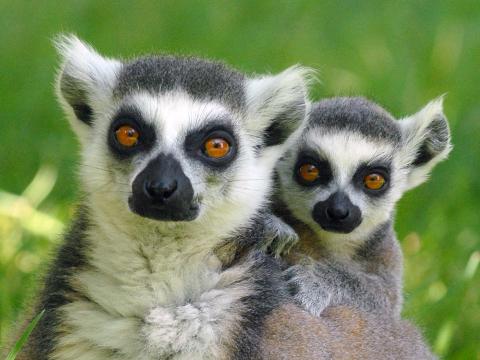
278,104
426,141
85,81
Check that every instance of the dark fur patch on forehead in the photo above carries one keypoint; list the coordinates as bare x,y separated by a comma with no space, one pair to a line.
202,79
355,114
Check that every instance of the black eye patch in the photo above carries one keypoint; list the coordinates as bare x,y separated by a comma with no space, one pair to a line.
325,173
131,117
195,144
364,170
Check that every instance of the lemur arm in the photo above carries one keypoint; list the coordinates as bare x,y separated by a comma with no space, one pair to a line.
370,281
326,284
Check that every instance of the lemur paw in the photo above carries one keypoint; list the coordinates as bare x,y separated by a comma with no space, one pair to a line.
279,237
307,289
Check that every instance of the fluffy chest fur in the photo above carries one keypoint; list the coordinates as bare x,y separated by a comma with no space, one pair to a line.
151,300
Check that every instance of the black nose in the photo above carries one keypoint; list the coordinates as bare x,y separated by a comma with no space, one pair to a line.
337,213
160,191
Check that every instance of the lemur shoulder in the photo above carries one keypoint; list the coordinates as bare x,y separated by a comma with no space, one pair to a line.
337,188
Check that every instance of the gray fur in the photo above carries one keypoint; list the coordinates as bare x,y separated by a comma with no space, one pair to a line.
357,115
371,281
362,268
436,140
205,80
280,237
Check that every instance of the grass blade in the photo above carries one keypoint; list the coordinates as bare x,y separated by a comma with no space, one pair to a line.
19,344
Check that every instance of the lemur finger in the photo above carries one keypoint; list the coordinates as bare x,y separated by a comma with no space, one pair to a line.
290,244
268,238
282,244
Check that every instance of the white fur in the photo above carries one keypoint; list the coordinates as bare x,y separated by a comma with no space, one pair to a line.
415,129
96,73
163,273
156,289
346,150
180,303
270,96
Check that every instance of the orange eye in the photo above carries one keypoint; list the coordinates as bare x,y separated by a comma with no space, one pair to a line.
374,181
309,172
127,136
216,148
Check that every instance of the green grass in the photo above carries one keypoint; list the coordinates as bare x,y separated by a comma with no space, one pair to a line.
23,339
401,54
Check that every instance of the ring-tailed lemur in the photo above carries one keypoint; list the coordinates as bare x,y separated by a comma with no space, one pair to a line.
338,187
177,157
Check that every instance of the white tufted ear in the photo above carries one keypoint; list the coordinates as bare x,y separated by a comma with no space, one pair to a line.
85,81
426,141
278,104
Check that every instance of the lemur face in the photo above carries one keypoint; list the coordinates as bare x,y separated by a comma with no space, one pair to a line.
178,156
177,139
353,162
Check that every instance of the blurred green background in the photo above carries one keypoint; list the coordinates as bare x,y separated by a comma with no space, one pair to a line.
401,54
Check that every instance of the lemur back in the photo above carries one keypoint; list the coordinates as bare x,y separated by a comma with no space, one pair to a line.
341,332
177,158
337,188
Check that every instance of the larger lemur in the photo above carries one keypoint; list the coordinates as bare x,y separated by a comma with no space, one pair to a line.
338,186
176,159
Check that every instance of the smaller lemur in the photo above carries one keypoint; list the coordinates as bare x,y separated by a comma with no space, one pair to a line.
337,188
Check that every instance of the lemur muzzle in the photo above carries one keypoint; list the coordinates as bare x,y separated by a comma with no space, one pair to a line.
162,191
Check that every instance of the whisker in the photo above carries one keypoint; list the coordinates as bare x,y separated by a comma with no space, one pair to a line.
96,168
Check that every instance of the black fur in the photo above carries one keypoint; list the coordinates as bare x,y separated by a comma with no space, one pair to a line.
355,115
57,290
132,117
195,140
270,290
363,170
436,140
201,79
270,293
325,170
284,124
73,92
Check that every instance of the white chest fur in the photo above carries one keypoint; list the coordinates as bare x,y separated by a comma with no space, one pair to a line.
145,301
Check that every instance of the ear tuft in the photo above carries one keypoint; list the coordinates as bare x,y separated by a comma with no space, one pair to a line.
85,80
278,104
426,141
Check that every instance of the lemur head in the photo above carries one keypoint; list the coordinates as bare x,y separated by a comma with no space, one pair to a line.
169,141
353,161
